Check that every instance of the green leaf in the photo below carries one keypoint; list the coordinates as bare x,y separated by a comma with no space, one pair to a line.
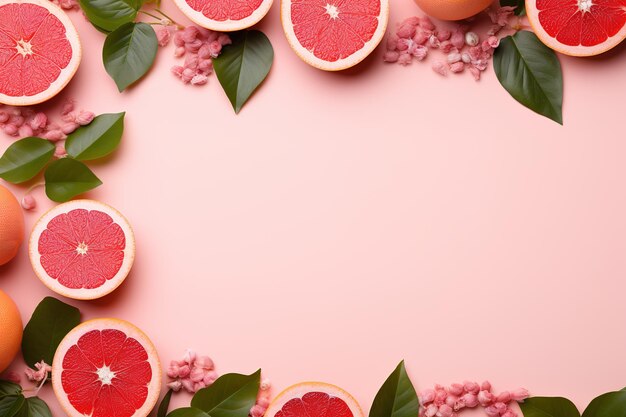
129,52
396,397
165,404
531,73
611,404
11,404
50,322
37,407
188,412
231,395
97,139
549,407
108,15
520,6
66,178
243,65
24,159
11,398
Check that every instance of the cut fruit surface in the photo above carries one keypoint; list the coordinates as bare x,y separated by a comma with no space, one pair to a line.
39,51
82,249
578,27
314,399
334,34
106,368
224,15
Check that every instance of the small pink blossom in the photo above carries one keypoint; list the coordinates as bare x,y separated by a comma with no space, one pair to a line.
427,396
215,48
175,385
520,394
25,130
404,58
501,15
458,39
10,129
68,128
440,68
475,72
443,35
59,151
163,35
484,397
39,121
431,410
427,24
40,374
493,41
391,56
28,203
419,52
406,30
4,117
83,118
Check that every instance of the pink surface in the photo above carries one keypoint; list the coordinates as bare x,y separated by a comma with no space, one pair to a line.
343,222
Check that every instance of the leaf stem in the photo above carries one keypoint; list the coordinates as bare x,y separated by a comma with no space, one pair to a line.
178,25
32,187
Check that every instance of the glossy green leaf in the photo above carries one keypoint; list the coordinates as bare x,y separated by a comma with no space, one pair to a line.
11,398
11,404
243,65
50,322
231,395
531,73
188,412
108,15
396,397
97,139
24,159
129,53
611,404
520,6
36,407
66,178
165,404
549,407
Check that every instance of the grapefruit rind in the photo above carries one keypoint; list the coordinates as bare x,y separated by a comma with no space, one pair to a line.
226,25
66,73
579,51
343,63
154,388
82,293
298,390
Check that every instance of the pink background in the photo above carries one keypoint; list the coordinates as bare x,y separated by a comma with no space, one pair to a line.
343,222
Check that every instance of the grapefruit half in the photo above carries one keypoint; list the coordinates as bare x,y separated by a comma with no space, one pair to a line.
82,249
224,15
106,368
578,27
314,399
39,51
333,35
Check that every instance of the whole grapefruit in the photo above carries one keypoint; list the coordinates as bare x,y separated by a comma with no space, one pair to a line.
11,225
10,329
452,9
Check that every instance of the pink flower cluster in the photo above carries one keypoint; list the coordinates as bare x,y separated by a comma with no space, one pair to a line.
449,401
193,372
40,374
417,36
26,121
198,46
67,4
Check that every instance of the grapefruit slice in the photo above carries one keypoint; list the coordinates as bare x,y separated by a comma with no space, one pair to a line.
224,15
39,51
82,249
314,399
106,368
333,35
578,27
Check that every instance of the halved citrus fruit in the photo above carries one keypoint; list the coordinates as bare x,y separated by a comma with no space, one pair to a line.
334,35
452,9
82,249
578,27
39,51
225,15
106,368
314,399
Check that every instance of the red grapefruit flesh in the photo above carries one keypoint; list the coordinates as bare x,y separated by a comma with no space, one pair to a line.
82,249
578,27
334,35
314,399
225,15
106,368
39,51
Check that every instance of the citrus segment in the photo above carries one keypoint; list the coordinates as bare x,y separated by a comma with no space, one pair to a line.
225,15
106,368
39,51
314,399
82,249
334,34
578,27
